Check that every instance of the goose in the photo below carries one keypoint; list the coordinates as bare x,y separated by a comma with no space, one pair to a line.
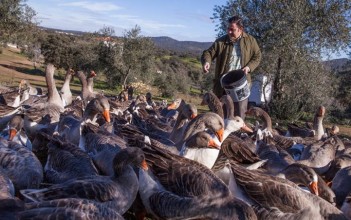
319,155
90,81
24,84
280,163
65,92
341,185
66,161
177,188
341,161
269,191
7,190
70,126
71,208
101,146
15,131
214,104
346,206
6,114
86,95
274,213
44,114
20,165
11,97
117,192
231,124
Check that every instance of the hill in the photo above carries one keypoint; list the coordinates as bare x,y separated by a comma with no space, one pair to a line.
192,47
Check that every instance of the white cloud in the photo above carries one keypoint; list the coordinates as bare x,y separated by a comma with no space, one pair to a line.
93,6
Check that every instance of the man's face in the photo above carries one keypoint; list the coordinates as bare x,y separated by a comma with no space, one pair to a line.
234,31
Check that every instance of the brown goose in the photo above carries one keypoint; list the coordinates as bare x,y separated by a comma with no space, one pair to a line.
90,81
209,120
102,146
214,104
43,114
178,188
117,192
86,95
269,191
24,85
20,165
341,185
71,208
66,161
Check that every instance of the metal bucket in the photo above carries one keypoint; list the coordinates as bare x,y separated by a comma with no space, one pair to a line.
235,85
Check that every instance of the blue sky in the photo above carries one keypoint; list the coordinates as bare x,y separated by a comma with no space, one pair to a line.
178,19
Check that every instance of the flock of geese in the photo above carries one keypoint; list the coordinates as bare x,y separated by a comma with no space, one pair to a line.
107,157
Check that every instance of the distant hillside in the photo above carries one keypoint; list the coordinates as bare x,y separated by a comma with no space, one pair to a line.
192,47
339,65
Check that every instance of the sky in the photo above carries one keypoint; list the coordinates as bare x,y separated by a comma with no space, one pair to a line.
183,20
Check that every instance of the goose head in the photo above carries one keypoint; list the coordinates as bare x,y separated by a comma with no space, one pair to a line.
302,175
131,155
236,123
96,106
175,104
201,140
15,125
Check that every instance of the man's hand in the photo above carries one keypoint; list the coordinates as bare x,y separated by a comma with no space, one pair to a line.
206,67
246,69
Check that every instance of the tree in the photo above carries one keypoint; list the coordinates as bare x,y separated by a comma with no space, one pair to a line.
127,59
292,36
16,21
68,51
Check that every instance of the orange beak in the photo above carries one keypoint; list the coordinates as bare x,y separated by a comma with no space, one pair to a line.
212,143
12,134
314,188
246,128
106,115
193,116
172,106
144,165
219,134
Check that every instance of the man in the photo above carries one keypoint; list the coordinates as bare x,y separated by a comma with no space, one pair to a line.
233,51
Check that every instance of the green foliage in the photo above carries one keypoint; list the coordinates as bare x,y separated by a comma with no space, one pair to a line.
127,59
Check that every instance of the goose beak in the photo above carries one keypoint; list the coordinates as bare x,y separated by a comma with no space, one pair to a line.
212,143
172,106
219,134
106,115
144,165
12,134
314,188
193,116
246,128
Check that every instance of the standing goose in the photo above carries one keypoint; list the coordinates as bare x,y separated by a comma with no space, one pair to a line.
214,104
86,95
117,192
45,114
65,92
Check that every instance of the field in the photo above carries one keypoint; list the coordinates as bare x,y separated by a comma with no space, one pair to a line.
14,67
